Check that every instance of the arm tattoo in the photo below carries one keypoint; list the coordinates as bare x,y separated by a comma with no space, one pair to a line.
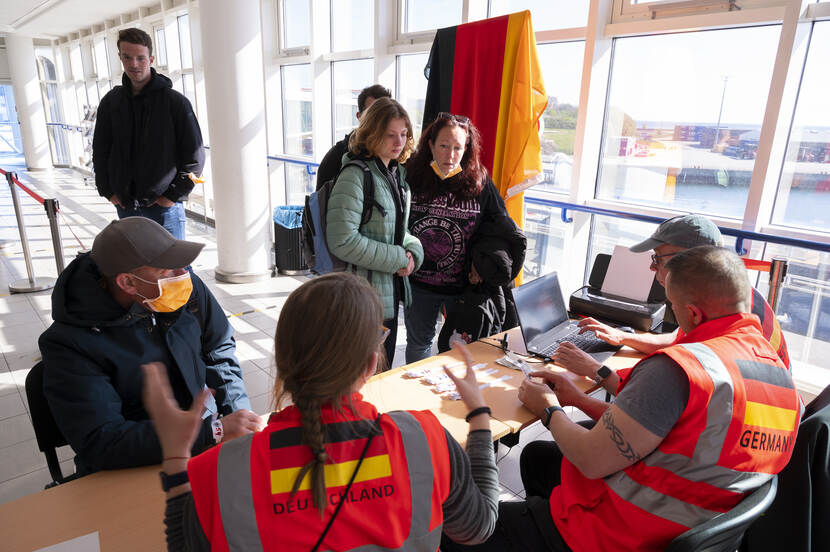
616,435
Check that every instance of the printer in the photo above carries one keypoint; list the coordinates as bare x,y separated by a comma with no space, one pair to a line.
591,301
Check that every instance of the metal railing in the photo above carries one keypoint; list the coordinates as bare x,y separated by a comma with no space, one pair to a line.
739,235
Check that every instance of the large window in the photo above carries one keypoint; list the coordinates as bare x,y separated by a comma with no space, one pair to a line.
426,15
412,88
183,22
804,311
348,79
684,116
352,25
562,72
546,14
296,110
804,191
160,49
296,23
102,65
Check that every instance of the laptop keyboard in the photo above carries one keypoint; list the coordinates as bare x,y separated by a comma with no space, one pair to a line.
585,341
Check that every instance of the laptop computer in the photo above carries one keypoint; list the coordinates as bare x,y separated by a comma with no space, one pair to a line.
545,324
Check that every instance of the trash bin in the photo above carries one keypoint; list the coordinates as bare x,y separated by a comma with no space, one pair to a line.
288,239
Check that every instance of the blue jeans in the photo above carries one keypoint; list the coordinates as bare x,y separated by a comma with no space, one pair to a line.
420,318
172,218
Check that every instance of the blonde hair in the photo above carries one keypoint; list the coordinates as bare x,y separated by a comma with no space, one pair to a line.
327,332
370,132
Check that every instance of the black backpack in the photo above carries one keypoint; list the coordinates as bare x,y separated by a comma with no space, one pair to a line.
315,249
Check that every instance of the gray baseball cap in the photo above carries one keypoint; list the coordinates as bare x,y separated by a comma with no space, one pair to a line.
132,242
683,231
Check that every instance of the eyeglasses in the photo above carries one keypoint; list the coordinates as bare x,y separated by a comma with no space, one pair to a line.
655,259
451,117
384,333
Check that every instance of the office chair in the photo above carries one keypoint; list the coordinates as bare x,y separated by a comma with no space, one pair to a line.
725,532
797,519
47,434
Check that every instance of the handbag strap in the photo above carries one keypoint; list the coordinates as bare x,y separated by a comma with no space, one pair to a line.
348,487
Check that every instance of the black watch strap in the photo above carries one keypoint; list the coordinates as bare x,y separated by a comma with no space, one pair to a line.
549,412
168,481
603,372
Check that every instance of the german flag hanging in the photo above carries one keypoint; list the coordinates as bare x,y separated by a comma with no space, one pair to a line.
489,71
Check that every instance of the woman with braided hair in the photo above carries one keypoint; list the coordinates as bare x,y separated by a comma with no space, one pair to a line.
328,472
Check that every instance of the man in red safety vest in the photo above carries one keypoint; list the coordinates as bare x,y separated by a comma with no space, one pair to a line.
696,427
671,237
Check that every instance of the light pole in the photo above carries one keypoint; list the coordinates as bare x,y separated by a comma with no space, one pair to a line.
720,112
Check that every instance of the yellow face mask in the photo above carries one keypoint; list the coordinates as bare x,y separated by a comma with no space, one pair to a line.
173,293
443,176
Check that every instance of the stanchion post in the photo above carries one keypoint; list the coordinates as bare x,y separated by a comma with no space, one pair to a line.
777,271
32,283
52,207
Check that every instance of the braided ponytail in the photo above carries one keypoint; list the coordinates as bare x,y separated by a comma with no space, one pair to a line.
314,437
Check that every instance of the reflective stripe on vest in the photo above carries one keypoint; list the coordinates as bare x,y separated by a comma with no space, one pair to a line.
235,492
420,482
702,466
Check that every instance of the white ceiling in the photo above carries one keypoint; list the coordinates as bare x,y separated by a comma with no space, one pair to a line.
55,18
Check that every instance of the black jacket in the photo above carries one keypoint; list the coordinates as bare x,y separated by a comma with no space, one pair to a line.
92,354
330,165
798,518
144,146
497,251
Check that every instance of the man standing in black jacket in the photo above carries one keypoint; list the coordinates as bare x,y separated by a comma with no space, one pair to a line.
147,140
330,165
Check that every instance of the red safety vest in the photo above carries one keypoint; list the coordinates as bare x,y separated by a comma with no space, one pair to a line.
738,428
242,490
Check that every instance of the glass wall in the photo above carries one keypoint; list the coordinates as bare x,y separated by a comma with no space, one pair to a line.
562,70
296,23
412,88
546,14
804,190
351,27
348,79
684,133
296,114
427,15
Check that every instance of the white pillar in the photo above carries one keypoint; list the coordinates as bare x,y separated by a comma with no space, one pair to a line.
26,87
235,93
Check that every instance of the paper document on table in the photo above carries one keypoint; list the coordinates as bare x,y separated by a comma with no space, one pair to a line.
85,543
629,274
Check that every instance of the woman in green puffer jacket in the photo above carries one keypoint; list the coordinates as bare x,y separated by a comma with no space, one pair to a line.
382,250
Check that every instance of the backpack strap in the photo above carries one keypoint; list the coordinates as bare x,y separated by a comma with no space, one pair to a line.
369,200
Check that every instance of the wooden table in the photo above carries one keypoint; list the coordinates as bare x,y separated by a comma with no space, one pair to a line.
126,507
392,391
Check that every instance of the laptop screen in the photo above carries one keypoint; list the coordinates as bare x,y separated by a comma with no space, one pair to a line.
540,307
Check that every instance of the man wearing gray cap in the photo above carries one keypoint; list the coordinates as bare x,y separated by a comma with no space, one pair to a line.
672,236
130,301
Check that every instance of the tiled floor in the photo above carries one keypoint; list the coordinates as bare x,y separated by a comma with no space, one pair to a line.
254,309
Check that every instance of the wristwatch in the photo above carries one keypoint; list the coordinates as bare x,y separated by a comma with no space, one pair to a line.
603,372
549,412
168,481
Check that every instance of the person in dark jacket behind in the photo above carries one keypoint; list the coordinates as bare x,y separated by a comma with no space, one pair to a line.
127,302
147,140
452,199
330,165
